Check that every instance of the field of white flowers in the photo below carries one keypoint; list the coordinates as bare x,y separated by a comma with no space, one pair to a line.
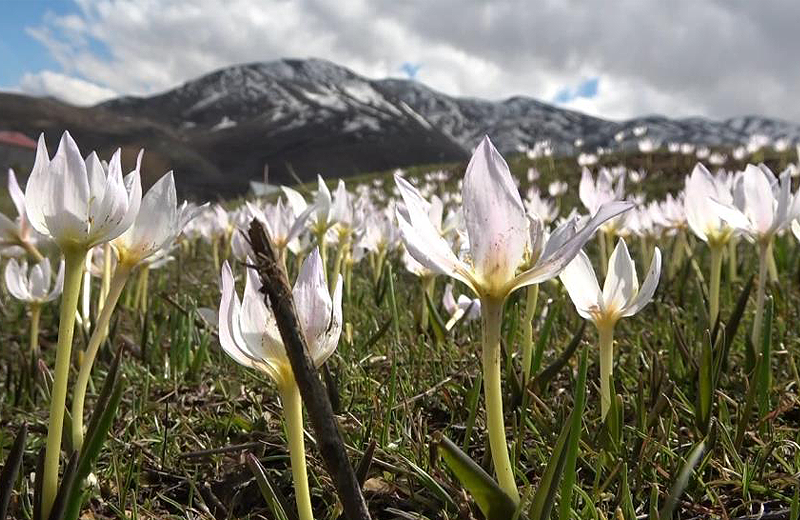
611,335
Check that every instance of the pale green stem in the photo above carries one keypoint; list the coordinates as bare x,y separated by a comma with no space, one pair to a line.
732,260
282,258
531,298
337,264
601,238
86,293
73,273
771,265
36,312
323,251
293,415
101,329
713,288
106,280
605,332
492,318
31,250
145,288
678,249
763,252
215,253
427,288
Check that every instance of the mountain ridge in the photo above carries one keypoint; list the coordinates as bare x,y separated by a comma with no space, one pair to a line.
309,116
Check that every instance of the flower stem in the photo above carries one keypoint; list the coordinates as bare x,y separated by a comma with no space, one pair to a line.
763,254
713,288
293,415
492,317
106,282
73,274
601,238
771,265
427,288
31,250
531,298
36,312
100,331
606,338
732,261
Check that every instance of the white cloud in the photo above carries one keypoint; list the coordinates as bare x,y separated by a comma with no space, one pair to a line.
72,90
680,58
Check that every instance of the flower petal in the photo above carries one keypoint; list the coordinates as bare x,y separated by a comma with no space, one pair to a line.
494,216
621,284
648,287
230,333
581,283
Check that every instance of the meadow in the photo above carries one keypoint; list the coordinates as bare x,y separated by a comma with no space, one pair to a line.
702,418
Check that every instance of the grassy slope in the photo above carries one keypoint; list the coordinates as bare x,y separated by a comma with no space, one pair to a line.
185,396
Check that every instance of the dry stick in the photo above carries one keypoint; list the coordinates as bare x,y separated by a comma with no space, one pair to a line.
278,295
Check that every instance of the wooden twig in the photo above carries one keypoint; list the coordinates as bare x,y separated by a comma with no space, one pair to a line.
278,295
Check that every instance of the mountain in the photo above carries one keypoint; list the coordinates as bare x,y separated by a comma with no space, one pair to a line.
303,117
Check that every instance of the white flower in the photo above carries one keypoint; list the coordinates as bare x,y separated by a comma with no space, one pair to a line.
703,216
766,204
33,287
79,203
497,228
155,227
249,334
621,295
464,306
16,232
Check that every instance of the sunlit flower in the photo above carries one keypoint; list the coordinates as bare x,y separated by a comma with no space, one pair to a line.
620,297
35,286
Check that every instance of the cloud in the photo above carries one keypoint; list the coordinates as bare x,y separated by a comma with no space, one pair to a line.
716,58
69,89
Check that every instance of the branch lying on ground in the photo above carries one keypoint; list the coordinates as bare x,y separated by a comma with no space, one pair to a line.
278,295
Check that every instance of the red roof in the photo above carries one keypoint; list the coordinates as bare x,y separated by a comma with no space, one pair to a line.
16,139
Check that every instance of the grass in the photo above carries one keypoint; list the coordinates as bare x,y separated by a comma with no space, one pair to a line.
190,415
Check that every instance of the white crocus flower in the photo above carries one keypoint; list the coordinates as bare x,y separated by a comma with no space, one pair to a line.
620,297
463,307
766,207
497,230
158,223
18,232
34,287
79,204
706,223
249,334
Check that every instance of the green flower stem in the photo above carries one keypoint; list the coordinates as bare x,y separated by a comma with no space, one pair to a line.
763,261
492,317
337,264
771,265
427,288
100,331
601,238
31,250
293,415
605,332
713,288
36,312
531,299
679,247
732,260
106,280
73,274
323,251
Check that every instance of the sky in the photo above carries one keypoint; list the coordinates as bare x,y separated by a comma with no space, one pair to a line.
613,58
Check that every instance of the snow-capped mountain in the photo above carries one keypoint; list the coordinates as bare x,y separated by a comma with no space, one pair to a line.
303,117
288,94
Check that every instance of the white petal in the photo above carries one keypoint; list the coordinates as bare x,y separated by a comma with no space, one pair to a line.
16,193
39,279
648,287
230,334
16,277
566,246
621,284
448,301
313,301
759,200
494,216
58,286
330,338
581,283
296,201
37,188
156,223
